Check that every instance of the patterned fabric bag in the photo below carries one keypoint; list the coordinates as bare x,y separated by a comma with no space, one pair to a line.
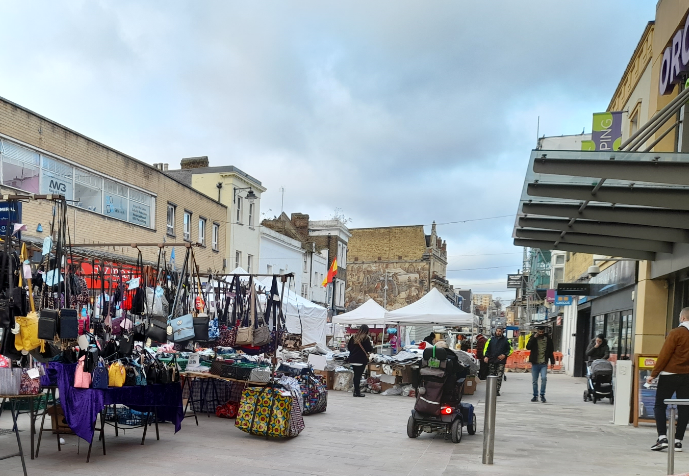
213,331
265,412
228,336
28,385
315,392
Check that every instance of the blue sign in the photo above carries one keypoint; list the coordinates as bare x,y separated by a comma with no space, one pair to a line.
10,213
563,300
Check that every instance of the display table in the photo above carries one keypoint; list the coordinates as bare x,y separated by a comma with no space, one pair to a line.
83,405
15,411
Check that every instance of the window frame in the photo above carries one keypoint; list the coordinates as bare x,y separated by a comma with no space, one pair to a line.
251,215
186,233
249,262
170,229
237,259
239,211
215,236
202,231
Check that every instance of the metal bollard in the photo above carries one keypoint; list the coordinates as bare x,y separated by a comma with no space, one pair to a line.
671,441
489,419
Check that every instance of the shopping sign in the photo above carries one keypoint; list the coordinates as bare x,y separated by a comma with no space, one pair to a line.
10,213
515,281
606,133
675,61
92,274
563,300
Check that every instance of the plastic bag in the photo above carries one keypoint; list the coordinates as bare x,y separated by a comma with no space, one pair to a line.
344,381
396,390
159,306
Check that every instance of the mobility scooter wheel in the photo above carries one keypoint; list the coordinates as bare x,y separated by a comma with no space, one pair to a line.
612,400
412,429
456,431
471,428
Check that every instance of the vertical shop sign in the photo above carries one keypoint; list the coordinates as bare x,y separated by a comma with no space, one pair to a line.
10,213
606,132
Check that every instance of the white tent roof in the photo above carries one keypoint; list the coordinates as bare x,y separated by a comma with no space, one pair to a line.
370,313
433,308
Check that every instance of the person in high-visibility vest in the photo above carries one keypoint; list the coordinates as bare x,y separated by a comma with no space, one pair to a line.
495,354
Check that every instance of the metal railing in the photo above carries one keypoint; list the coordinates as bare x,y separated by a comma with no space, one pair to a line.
674,403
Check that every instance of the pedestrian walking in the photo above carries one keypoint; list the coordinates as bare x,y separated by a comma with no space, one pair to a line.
495,354
598,348
542,351
483,366
359,347
672,371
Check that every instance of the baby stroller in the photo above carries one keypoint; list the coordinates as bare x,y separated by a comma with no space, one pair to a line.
599,381
439,406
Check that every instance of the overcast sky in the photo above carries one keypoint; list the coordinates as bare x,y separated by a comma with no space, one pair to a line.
395,112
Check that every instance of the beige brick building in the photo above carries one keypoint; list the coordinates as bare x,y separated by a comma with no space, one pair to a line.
114,198
411,260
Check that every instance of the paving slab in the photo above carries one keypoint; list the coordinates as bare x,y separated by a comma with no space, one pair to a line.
363,436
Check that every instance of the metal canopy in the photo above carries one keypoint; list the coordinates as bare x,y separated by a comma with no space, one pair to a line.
626,204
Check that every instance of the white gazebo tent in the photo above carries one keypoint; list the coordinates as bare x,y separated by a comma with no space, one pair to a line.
433,308
369,313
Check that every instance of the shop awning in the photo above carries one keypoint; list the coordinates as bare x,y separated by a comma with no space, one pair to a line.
625,204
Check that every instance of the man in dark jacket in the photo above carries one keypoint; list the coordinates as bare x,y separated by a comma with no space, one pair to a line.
541,350
495,354
598,348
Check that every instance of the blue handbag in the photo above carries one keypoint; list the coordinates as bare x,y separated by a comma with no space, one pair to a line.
140,375
182,328
100,377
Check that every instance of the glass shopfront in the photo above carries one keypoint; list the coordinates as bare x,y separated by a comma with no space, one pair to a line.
618,329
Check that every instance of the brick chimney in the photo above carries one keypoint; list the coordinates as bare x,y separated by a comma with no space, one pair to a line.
301,223
194,162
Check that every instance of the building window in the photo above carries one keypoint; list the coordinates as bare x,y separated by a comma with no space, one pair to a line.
269,269
187,225
249,262
305,290
116,200
216,234
139,208
88,191
171,219
239,210
20,167
237,259
306,263
57,178
251,214
202,231
560,259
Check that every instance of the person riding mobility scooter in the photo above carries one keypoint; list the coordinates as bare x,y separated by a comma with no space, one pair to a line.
439,388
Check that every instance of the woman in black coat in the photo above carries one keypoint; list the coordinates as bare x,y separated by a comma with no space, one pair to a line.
359,347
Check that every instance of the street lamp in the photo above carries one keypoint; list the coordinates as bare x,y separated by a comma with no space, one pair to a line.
250,195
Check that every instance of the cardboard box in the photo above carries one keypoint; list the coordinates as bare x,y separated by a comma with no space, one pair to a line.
470,386
64,427
329,377
377,368
385,386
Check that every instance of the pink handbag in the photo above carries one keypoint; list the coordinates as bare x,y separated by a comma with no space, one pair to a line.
82,379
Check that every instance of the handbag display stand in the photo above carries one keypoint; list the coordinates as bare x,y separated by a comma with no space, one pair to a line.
50,394
31,412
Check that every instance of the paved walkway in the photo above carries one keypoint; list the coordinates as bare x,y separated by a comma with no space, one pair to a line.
362,436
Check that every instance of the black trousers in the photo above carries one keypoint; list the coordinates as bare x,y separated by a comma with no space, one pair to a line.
358,373
667,385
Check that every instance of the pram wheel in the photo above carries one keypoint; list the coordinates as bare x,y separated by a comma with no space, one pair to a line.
594,399
456,431
412,428
612,400
471,427
586,395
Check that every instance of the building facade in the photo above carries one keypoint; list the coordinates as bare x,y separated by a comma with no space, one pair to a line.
112,197
395,266
312,263
241,195
333,236
482,300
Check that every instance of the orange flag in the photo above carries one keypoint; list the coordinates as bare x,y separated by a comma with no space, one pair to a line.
332,272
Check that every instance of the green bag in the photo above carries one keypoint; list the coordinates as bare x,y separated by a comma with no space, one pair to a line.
433,362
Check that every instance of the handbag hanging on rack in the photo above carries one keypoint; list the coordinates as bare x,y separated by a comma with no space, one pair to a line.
181,329
245,327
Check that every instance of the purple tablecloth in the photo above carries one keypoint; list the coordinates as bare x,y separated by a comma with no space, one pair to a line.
82,405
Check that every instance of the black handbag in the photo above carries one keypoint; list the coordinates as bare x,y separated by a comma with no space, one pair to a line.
201,329
130,377
47,324
157,330
126,345
69,324
5,318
